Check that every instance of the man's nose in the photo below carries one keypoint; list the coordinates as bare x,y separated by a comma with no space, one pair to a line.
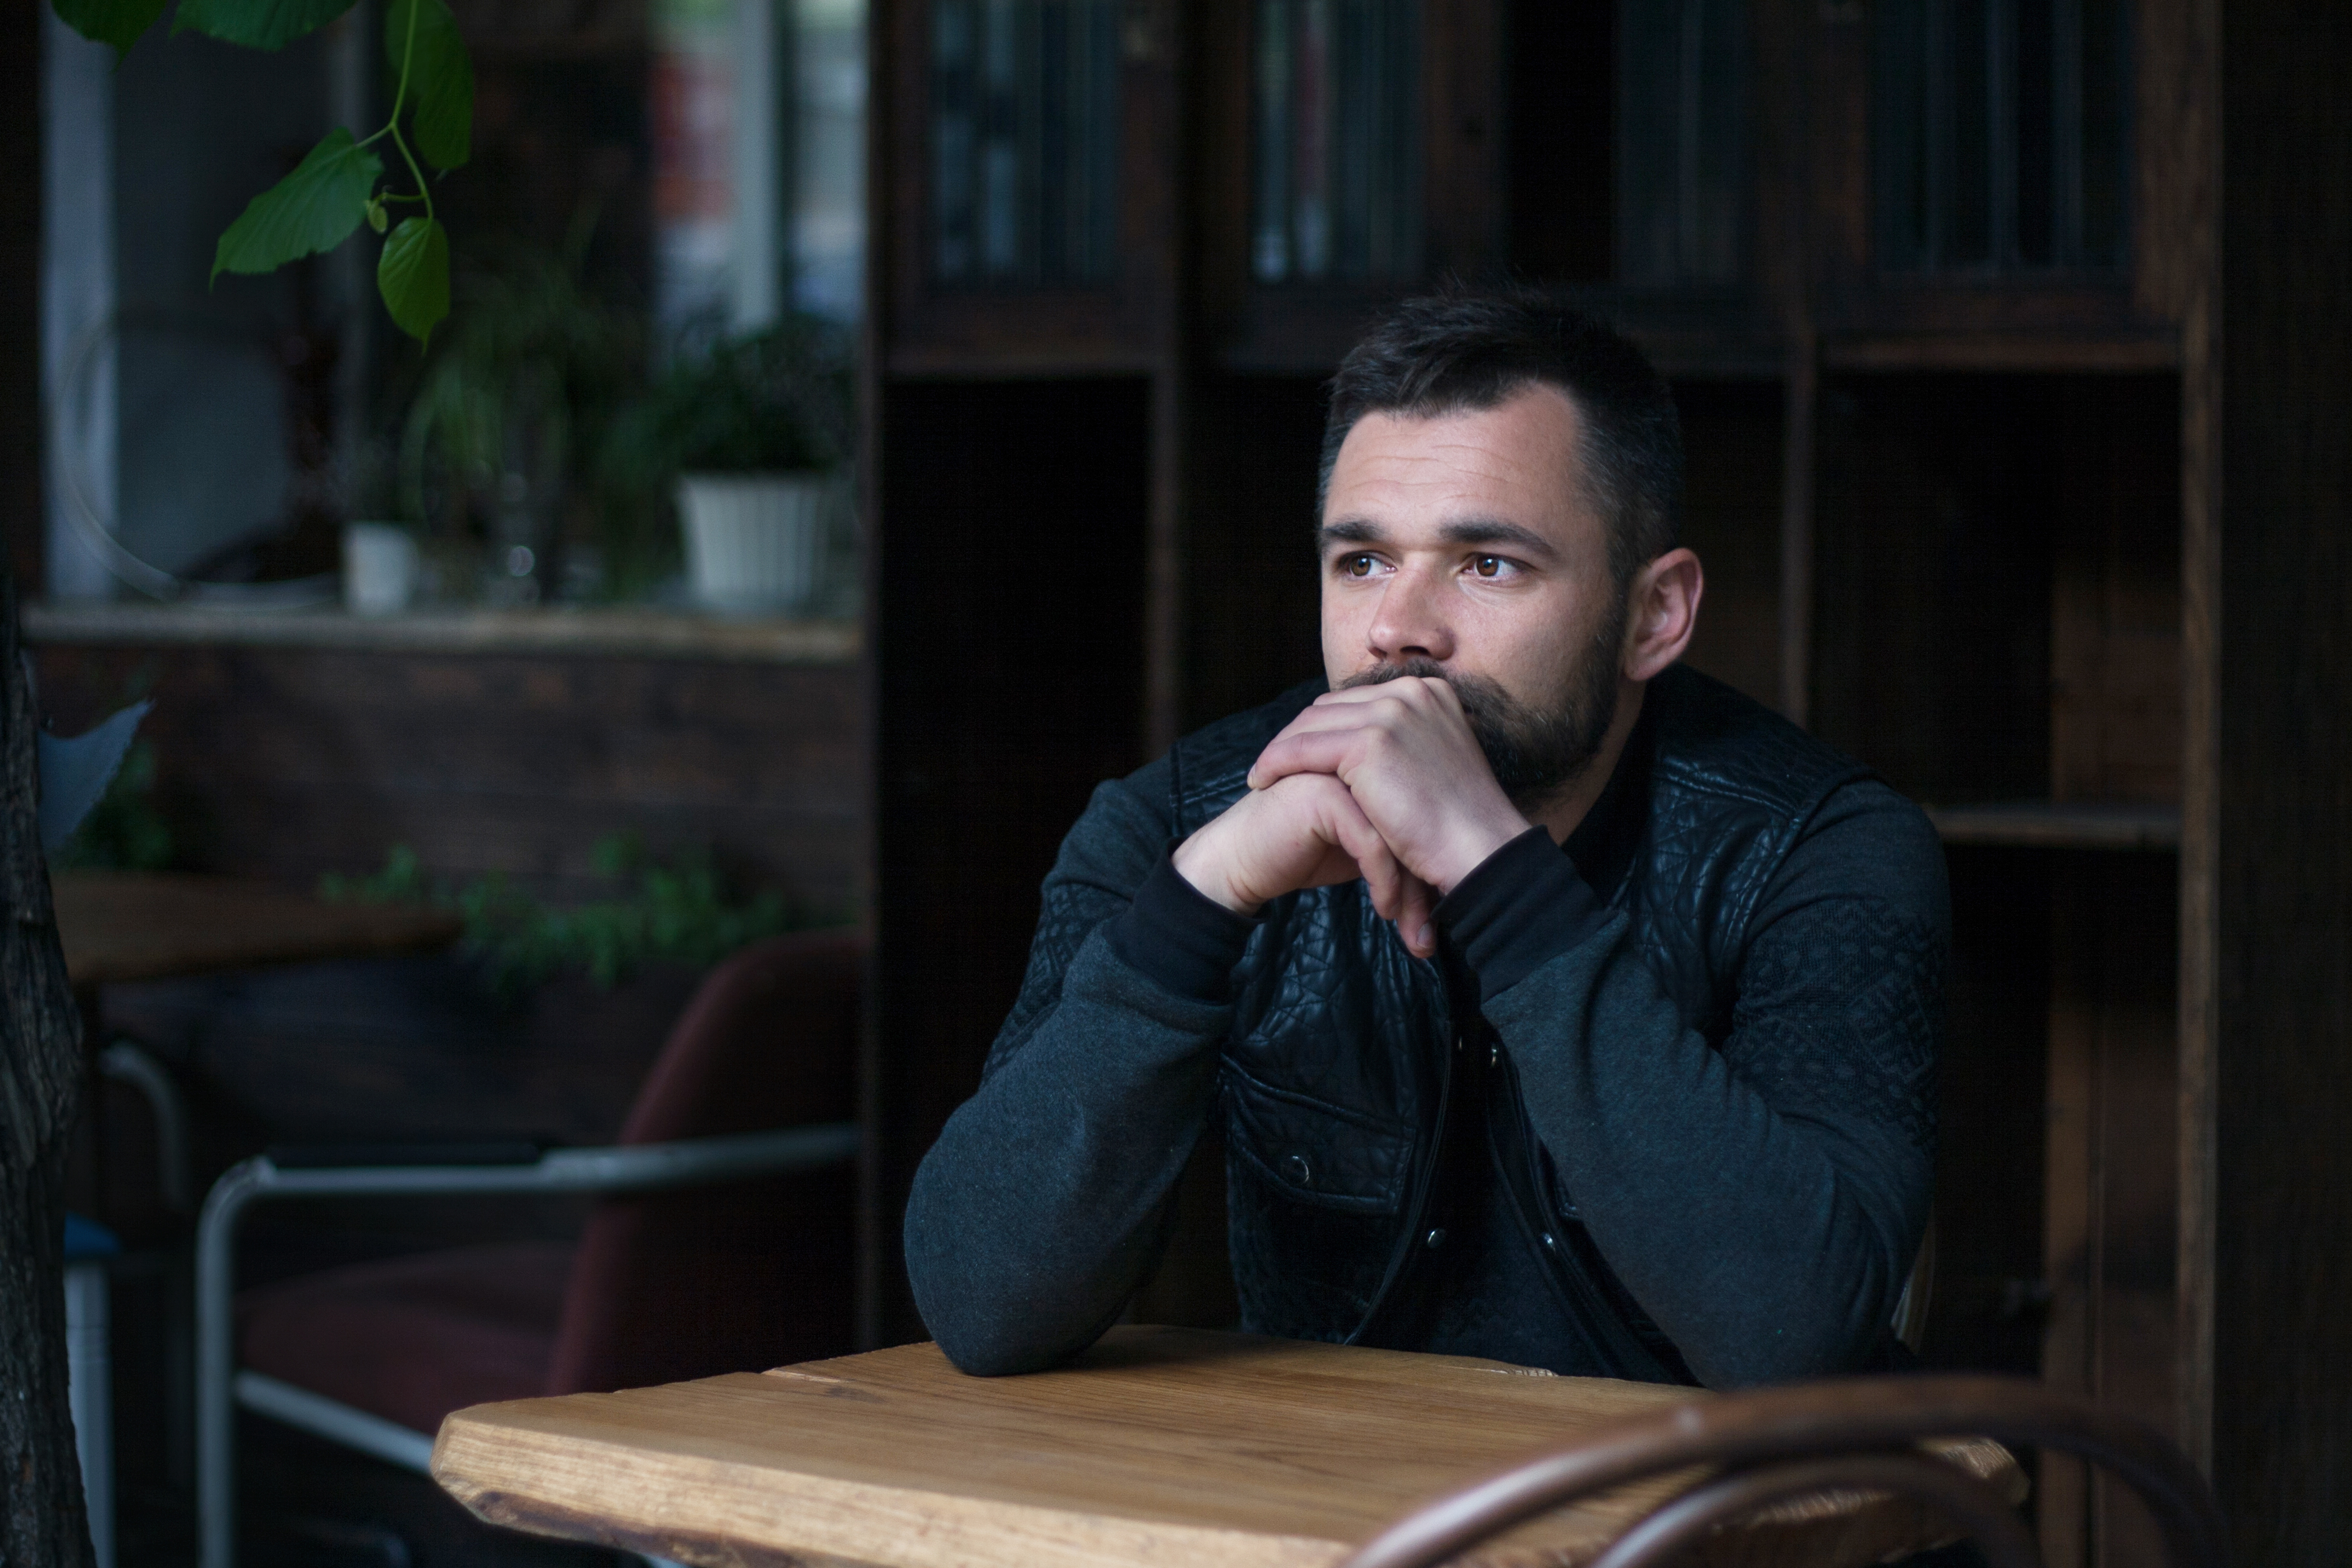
1411,622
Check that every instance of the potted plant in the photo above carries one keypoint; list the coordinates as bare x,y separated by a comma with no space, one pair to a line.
753,434
500,447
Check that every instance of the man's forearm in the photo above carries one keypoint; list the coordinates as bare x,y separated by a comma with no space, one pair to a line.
1760,1255
1762,1242
1044,1203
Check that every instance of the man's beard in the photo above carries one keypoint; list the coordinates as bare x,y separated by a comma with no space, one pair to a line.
1534,753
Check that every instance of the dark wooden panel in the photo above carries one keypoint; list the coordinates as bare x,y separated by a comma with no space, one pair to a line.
1463,152
2114,698
2282,1267
1252,586
1932,615
288,763
1010,651
2113,1180
1986,1310
1731,435
1558,58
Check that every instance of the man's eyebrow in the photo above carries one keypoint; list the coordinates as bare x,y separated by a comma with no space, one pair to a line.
1347,530
1494,530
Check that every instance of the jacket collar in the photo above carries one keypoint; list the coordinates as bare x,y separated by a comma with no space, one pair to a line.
1603,843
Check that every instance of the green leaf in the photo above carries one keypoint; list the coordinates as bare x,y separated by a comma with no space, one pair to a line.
256,24
116,22
440,79
312,209
414,276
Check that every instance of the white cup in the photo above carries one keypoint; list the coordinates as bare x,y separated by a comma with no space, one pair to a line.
379,568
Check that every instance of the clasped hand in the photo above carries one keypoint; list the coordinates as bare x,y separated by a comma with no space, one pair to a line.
1384,783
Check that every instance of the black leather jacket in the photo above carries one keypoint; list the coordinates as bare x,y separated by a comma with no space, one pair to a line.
1344,1068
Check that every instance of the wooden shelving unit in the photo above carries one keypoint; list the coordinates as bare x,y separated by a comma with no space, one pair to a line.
2052,824
1958,487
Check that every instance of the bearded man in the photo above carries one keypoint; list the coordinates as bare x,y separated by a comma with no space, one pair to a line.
1558,1004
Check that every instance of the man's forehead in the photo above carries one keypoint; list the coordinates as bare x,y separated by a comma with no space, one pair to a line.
1515,462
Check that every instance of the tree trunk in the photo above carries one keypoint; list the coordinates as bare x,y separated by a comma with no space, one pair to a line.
42,1522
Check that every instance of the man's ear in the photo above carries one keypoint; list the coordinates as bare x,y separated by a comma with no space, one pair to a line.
1663,613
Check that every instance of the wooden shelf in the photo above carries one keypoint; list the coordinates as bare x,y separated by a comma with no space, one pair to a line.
2053,825
628,633
2046,349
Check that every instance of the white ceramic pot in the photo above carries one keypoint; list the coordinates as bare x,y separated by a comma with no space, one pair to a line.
755,541
379,568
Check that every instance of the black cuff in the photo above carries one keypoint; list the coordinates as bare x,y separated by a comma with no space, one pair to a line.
1517,909
1179,936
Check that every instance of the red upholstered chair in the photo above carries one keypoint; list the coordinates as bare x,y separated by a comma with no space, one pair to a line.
722,1241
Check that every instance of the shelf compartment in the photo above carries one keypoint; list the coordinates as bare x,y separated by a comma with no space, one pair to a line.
2060,825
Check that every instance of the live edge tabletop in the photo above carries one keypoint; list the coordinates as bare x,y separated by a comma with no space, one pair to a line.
1161,1447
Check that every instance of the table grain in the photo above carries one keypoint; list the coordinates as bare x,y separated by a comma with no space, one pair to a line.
1161,1447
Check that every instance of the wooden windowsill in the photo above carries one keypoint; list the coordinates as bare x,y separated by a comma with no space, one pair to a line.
600,631
2060,825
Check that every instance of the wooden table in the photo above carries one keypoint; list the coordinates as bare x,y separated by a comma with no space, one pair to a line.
1161,1447
119,926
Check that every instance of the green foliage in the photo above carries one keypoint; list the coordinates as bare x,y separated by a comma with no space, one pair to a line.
256,24
777,401
333,190
312,209
526,382
116,22
414,276
444,79
680,912
124,831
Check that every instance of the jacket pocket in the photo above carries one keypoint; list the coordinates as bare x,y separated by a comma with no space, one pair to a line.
1317,1153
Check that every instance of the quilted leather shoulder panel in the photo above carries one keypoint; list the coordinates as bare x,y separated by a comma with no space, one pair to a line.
1715,741
1733,787
1208,769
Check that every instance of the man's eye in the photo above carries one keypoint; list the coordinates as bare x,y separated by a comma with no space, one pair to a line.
1490,567
1355,565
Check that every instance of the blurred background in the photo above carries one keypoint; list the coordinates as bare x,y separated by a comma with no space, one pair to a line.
864,424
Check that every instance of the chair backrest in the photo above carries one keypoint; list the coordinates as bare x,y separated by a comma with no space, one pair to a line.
1766,1445
754,1274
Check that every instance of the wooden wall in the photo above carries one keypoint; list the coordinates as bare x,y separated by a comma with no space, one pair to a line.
288,763
2280,1168
1010,678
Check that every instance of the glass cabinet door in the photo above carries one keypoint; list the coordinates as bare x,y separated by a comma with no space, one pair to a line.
1025,114
1999,134
1336,133
1682,141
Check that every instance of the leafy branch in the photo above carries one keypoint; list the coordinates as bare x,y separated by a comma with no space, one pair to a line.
339,184
681,911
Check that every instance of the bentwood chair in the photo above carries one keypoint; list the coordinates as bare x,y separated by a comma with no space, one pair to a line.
721,1242
1776,1444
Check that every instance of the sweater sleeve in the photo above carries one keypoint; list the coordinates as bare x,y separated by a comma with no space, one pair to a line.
1046,1200
1761,1201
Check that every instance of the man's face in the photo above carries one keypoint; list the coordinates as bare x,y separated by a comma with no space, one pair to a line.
1465,546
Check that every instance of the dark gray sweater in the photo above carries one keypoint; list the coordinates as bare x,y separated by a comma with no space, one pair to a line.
1756,1198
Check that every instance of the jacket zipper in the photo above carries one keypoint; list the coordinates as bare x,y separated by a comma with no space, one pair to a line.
1603,1330
1416,1208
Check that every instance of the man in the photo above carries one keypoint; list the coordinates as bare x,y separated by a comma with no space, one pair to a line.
1558,1004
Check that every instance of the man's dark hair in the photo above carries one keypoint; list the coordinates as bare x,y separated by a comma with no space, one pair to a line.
1444,353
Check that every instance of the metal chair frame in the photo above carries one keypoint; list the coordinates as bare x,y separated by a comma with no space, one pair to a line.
1845,1433
220,1388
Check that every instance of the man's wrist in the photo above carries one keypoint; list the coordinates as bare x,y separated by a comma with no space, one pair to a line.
1176,935
1524,906
1205,870
1471,845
